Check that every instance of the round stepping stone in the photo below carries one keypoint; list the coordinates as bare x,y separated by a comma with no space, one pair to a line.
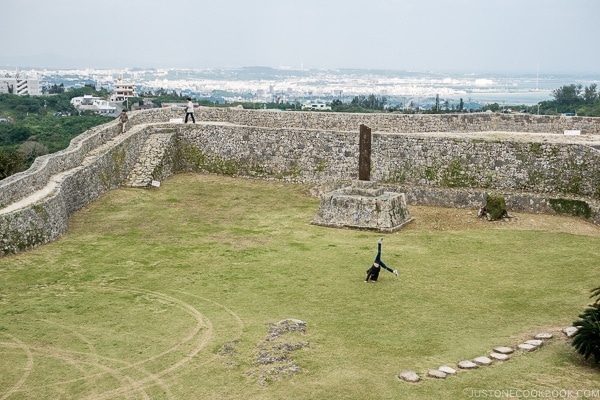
499,356
436,373
534,342
504,350
466,364
409,376
527,347
482,361
544,336
447,370
570,331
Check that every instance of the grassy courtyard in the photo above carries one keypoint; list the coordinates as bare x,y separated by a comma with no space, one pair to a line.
172,293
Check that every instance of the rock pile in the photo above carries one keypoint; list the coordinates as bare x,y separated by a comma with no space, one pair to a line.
273,354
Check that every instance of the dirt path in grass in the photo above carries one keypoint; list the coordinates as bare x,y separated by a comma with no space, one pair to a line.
453,219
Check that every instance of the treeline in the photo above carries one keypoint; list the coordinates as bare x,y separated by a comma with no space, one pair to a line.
573,99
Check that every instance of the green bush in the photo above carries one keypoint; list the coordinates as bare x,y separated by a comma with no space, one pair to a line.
495,207
576,208
587,338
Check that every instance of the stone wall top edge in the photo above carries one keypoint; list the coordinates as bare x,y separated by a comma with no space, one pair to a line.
50,164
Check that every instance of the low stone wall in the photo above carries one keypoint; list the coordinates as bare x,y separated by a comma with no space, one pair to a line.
410,155
392,123
45,216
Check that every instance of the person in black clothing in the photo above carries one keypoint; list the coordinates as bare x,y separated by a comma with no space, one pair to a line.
373,272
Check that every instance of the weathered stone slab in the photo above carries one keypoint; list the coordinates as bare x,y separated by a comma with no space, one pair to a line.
409,376
436,373
504,350
535,342
466,364
570,331
448,370
482,361
544,335
499,356
527,347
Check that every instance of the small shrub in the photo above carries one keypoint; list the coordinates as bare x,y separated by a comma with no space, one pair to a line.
495,208
576,208
587,338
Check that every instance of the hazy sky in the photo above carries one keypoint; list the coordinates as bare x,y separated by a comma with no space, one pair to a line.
561,36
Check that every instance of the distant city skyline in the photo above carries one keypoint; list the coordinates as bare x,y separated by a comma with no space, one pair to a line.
468,36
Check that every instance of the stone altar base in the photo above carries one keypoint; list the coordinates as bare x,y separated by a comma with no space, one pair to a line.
363,206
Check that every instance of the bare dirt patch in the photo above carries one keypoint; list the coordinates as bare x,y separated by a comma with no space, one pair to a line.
453,219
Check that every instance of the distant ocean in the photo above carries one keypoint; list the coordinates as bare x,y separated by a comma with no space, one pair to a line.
265,84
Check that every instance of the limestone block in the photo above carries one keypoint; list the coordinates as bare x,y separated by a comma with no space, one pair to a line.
544,335
436,373
482,361
409,376
448,370
527,347
570,331
499,356
363,206
466,364
535,342
504,350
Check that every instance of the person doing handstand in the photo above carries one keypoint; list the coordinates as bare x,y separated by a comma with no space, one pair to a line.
373,272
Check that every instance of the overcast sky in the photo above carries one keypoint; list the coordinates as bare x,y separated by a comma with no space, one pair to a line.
559,36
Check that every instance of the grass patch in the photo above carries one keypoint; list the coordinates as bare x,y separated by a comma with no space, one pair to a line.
170,293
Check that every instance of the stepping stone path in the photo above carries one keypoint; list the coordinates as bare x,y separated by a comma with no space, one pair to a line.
499,353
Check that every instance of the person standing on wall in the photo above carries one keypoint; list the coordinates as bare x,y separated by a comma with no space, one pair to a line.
123,118
189,111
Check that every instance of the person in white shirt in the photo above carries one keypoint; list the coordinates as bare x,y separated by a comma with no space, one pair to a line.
189,111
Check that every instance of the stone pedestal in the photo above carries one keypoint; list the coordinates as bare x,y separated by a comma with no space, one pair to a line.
363,206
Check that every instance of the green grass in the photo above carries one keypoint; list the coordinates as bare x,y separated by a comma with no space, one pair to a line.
168,294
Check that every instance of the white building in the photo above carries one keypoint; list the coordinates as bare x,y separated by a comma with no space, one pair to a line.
21,87
95,104
122,91
317,105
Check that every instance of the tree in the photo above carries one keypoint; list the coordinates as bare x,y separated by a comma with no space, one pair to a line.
11,162
590,95
56,89
568,95
31,149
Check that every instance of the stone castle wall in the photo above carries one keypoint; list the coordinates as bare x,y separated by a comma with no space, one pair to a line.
444,160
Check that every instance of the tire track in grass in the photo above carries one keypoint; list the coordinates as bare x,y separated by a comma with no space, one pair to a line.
16,343
129,386
201,323
97,358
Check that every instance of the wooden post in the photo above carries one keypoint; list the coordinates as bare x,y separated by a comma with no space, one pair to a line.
364,158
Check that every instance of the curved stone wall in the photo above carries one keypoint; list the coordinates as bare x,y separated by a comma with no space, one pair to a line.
447,160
